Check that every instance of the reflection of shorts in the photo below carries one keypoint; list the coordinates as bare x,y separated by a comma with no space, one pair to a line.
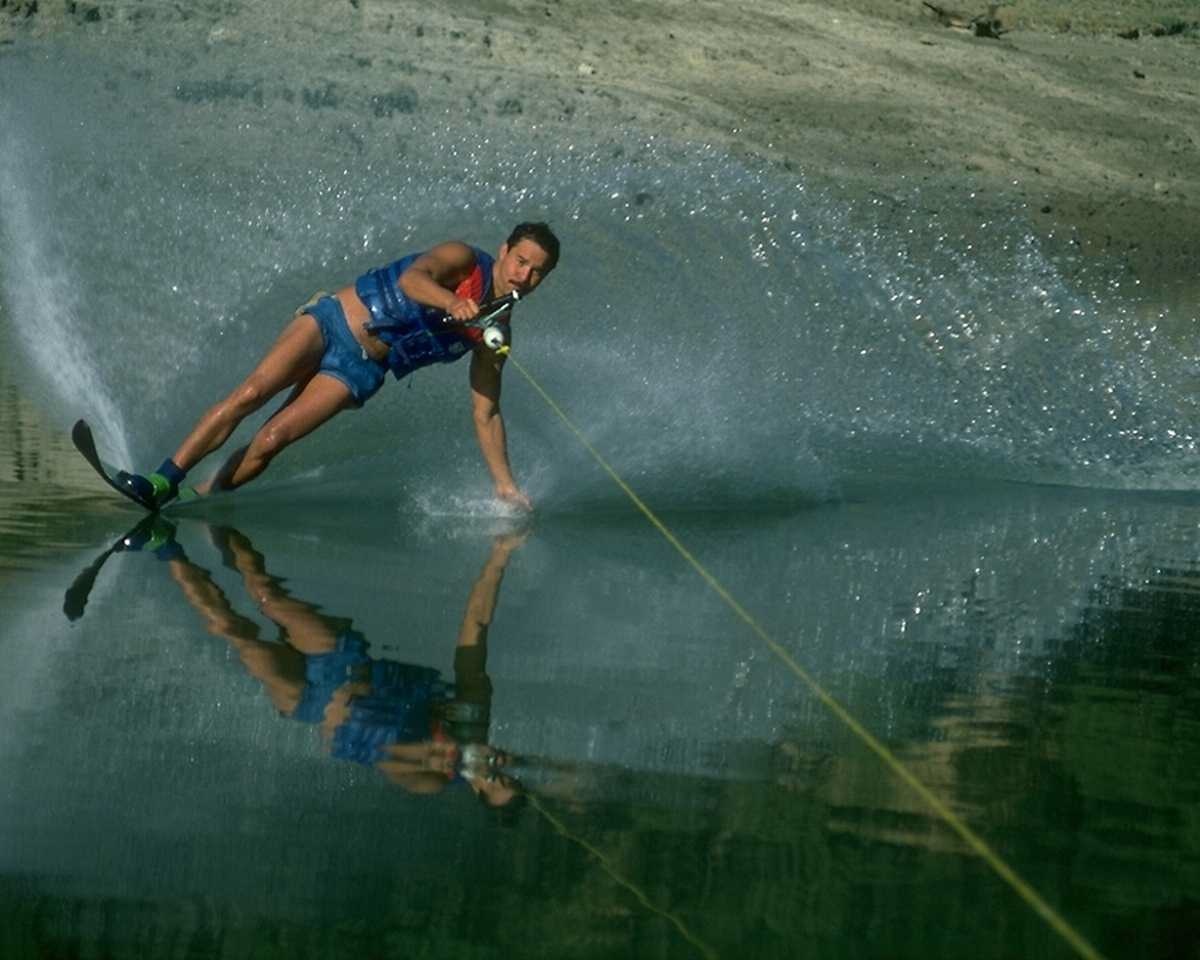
344,357
325,673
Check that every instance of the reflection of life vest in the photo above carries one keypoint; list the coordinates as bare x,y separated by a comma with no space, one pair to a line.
415,333
398,706
402,688
399,709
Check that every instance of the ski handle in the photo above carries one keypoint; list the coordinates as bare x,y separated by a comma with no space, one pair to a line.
487,313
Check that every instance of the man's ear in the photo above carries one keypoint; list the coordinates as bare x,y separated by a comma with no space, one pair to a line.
503,251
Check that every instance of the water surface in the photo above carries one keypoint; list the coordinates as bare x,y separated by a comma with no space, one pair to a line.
1031,655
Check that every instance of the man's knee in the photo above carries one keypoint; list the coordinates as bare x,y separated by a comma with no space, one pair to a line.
270,442
246,399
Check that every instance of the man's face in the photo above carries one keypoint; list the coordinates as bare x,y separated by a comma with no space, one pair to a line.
521,267
496,789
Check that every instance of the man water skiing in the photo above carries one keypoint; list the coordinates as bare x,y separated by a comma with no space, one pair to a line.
338,348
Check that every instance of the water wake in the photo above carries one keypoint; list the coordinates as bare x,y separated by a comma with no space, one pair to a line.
723,332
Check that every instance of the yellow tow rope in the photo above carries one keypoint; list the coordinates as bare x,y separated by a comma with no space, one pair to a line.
890,760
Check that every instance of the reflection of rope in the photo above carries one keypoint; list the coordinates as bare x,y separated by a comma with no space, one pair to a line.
561,827
948,816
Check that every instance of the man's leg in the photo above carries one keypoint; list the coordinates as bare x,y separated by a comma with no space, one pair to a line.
322,398
219,480
293,358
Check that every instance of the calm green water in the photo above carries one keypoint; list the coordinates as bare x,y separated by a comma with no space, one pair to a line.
1031,653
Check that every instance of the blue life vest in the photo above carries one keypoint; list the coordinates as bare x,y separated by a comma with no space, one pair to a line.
415,333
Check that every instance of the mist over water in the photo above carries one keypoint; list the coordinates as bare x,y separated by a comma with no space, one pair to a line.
724,333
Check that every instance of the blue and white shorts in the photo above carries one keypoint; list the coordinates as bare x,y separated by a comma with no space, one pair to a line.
344,358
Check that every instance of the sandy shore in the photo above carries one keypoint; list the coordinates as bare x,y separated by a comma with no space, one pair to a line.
1097,135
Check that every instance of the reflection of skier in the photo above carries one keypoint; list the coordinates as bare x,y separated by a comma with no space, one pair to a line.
407,721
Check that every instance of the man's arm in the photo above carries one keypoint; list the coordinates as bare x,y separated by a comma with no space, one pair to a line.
485,592
489,425
432,277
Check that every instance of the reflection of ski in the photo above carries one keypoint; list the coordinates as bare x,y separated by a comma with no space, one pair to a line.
76,597
85,443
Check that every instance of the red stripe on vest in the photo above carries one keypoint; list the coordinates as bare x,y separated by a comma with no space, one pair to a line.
471,287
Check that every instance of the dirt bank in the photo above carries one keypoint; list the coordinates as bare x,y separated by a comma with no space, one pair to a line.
1097,134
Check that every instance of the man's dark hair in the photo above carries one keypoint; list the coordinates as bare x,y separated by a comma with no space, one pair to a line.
541,234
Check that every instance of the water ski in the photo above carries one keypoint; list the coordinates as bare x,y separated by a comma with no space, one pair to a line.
85,443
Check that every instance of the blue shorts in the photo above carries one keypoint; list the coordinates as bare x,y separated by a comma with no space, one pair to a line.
344,357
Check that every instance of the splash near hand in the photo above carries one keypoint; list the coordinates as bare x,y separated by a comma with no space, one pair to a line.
514,497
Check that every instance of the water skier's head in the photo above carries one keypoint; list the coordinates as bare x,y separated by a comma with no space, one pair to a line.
526,258
483,771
